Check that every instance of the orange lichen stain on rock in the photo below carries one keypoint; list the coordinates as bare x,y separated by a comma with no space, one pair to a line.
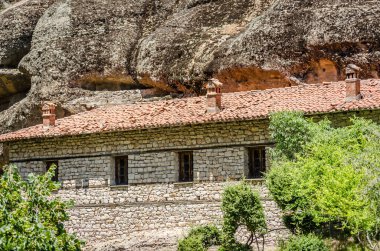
251,78
323,70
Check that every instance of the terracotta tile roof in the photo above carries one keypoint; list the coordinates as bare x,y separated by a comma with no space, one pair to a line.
251,105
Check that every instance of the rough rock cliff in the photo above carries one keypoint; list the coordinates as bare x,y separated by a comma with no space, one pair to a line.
86,53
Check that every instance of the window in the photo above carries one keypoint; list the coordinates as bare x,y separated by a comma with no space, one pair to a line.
49,164
256,162
121,170
185,166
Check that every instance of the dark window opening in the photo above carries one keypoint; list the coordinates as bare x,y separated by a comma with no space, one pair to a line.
185,166
121,170
256,162
49,164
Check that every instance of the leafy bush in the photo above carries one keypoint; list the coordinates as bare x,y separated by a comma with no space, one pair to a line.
308,242
200,238
191,243
331,185
30,219
236,247
242,207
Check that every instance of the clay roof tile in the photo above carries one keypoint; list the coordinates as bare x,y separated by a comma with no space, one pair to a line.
250,105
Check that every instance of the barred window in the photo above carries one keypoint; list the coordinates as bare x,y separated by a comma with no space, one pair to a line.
121,170
256,162
186,166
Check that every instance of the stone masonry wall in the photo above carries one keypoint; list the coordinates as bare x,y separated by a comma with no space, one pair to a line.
85,172
152,167
26,168
74,173
114,212
126,143
153,199
87,161
158,167
220,163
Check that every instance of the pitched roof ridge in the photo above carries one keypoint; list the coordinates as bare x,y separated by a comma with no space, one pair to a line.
176,100
302,86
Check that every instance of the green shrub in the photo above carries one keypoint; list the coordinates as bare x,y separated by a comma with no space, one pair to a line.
236,247
242,207
192,243
200,238
304,243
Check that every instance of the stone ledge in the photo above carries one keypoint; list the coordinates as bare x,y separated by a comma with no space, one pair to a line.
157,203
118,187
150,203
259,181
183,184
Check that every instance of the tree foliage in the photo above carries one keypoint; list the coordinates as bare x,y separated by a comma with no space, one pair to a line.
331,182
30,219
290,131
242,207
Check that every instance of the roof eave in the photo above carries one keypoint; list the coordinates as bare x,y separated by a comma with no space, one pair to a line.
177,125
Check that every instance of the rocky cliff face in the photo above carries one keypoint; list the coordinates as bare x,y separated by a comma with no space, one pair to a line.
82,54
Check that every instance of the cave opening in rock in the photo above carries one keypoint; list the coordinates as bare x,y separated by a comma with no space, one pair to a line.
98,82
7,102
252,78
14,87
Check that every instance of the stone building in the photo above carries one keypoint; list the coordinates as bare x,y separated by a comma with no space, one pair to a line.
162,165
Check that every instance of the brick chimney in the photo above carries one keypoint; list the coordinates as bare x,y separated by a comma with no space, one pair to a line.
48,114
352,82
214,96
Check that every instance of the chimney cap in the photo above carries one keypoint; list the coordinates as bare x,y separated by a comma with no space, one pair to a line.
215,83
351,68
48,105
48,114
214,96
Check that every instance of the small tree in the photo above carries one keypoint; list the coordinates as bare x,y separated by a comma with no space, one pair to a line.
30,219
242,207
